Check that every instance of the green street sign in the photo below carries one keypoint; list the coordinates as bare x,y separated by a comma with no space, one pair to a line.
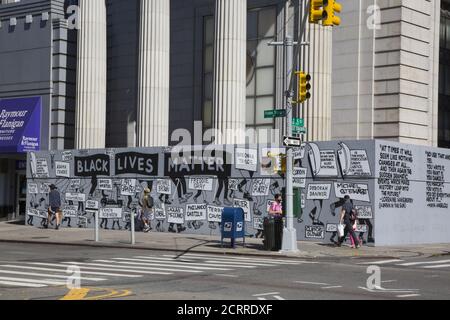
298,122
280,113
299,130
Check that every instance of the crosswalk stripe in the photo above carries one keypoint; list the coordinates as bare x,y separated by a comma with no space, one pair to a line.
380,262
144,259
65,268
21,284
211,256
114,268
49,282
87,267
437,267
423,263
32,274
150,263
218,261
127,265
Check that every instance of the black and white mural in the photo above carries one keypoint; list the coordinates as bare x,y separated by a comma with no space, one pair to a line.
190,186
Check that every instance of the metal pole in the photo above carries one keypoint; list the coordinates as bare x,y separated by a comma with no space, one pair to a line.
133,238
289,233
96,226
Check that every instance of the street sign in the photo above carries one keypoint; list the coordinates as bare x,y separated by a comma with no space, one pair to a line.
292,142
298,122
299,130
279,113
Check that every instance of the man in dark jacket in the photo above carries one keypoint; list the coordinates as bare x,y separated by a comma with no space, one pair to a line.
54,200
347,218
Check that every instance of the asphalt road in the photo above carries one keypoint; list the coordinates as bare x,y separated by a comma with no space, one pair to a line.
39,272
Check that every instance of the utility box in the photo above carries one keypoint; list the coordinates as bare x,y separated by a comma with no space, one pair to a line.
233,225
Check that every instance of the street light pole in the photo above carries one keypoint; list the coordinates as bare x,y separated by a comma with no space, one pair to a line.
289,232
289,244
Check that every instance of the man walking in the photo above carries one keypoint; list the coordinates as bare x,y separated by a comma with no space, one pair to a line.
54,206
347,215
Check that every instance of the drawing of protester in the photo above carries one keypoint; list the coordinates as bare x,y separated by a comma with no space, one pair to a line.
315,213
181,189
180,228
222,186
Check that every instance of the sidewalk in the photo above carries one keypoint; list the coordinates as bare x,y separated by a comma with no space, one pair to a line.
181,243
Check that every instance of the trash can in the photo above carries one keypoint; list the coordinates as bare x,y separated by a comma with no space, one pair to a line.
278,228
233,225
273,233
269,234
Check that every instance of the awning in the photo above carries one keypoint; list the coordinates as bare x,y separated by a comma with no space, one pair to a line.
20,125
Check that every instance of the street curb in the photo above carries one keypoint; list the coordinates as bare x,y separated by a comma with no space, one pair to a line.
194,250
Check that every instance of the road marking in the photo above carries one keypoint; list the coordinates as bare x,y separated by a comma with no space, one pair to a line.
388,281
255,262
90,268
76,294
80,294
21,284
408,295
314,283
181,264
130,265
380,262
32,274
114,268
278,261
226,275
383,290
215,261
112,295
262,299
331,287
265,294
422,263
144,259
279,298
438,266
65,269
49,282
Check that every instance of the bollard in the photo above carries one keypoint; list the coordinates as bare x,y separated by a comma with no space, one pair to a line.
133,239
96,226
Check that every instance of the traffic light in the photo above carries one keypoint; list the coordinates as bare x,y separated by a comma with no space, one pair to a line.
316,11
330,7
303,86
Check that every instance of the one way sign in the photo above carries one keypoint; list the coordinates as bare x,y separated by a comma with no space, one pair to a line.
292,142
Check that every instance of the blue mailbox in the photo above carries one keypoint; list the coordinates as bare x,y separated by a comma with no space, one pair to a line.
233,225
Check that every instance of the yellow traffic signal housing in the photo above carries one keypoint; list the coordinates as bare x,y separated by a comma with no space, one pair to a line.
330,7
316,11
303,86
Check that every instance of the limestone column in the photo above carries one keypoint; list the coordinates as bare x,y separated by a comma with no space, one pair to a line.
90,112
316,59
229,87
154,74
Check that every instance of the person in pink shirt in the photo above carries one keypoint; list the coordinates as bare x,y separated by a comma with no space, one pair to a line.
276,208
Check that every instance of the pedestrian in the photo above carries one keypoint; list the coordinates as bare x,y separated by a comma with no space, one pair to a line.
147,207
276,208
54,207
348,218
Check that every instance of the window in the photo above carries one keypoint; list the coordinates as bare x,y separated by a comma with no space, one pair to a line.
261,28
444,82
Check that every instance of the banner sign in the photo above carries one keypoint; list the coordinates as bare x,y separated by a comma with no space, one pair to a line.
20,125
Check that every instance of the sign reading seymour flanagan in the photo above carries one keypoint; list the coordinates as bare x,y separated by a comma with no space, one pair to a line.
20,124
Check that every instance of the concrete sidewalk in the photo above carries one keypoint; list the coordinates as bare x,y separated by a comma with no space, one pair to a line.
181,243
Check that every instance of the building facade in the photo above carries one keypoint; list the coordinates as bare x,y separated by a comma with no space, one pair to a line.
114,73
